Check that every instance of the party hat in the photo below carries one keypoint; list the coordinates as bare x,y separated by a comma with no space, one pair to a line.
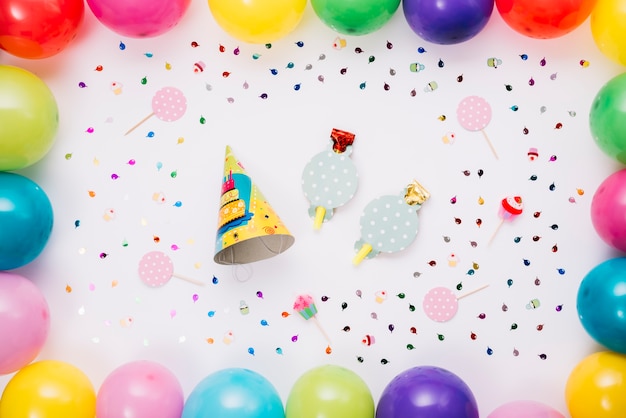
248,229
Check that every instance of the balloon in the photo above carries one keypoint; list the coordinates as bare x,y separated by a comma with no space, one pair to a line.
525,409
25,220
544,19
39,28
28,118
257,21
355,17
447,22
607,208
139,18
608,26
49,388
427,391
597,387
24,322
234,393
330,392
601,304
140,389
607,118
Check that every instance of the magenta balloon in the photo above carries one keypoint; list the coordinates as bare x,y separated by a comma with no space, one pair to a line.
139,18
140,389
525,409
608,210
24,322
447,22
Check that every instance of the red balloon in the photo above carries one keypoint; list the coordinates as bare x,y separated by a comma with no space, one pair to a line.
544,19
38,28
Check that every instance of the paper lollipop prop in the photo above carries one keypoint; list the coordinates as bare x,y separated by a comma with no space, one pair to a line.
441,304
510,208
168,104
156,269
248,229
305,306
330,179
390,223
474,114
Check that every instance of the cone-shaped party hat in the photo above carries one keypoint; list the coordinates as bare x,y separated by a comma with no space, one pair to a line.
248,229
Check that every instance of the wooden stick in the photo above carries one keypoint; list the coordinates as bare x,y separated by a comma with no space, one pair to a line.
188,279
495,154
319,326
471,292
495,232
139,123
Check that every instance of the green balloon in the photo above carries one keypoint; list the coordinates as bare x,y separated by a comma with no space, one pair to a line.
29,118
355,17
607,118
330,392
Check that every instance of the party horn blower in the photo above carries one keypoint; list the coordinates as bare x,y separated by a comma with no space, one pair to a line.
248,229
168,104
510,208
330,179
305,306
441,304
156,269
390,223
474,114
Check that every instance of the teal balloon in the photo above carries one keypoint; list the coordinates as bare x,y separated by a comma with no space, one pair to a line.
355,17
25,220
601,304
234,393
607,118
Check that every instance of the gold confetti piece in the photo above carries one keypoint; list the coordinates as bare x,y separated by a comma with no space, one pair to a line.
197,265
210,340
114,283
481,201
180,140
580,192
91,193
96,161
68,288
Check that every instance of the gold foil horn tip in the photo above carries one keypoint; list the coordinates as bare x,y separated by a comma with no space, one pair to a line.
416,194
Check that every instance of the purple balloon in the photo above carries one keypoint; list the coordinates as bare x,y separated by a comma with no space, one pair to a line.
608,207
427,391
447,22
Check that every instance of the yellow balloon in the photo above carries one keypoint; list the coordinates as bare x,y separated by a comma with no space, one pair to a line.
48,389
257,21
597,387
608,27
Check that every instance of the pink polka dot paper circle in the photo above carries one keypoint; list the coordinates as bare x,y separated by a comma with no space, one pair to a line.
440,304
156,269
474,114
168,104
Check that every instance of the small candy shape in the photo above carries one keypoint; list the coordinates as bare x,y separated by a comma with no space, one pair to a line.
305,306
474,114
390,223
330,179
441,304
168,104
156,269
510,208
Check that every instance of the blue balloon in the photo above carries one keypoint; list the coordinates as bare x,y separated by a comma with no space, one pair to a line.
601,304
447,22
25,220
234,393
427,391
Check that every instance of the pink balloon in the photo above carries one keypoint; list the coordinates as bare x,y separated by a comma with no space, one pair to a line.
24,322
140,389
139,18
608,207
525,409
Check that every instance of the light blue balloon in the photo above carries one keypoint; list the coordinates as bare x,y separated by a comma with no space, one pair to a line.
25,220
601,304
234,393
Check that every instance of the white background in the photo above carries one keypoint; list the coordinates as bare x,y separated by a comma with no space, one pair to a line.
398,138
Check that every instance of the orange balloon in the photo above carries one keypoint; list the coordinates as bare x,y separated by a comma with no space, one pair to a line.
36,29
48,388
